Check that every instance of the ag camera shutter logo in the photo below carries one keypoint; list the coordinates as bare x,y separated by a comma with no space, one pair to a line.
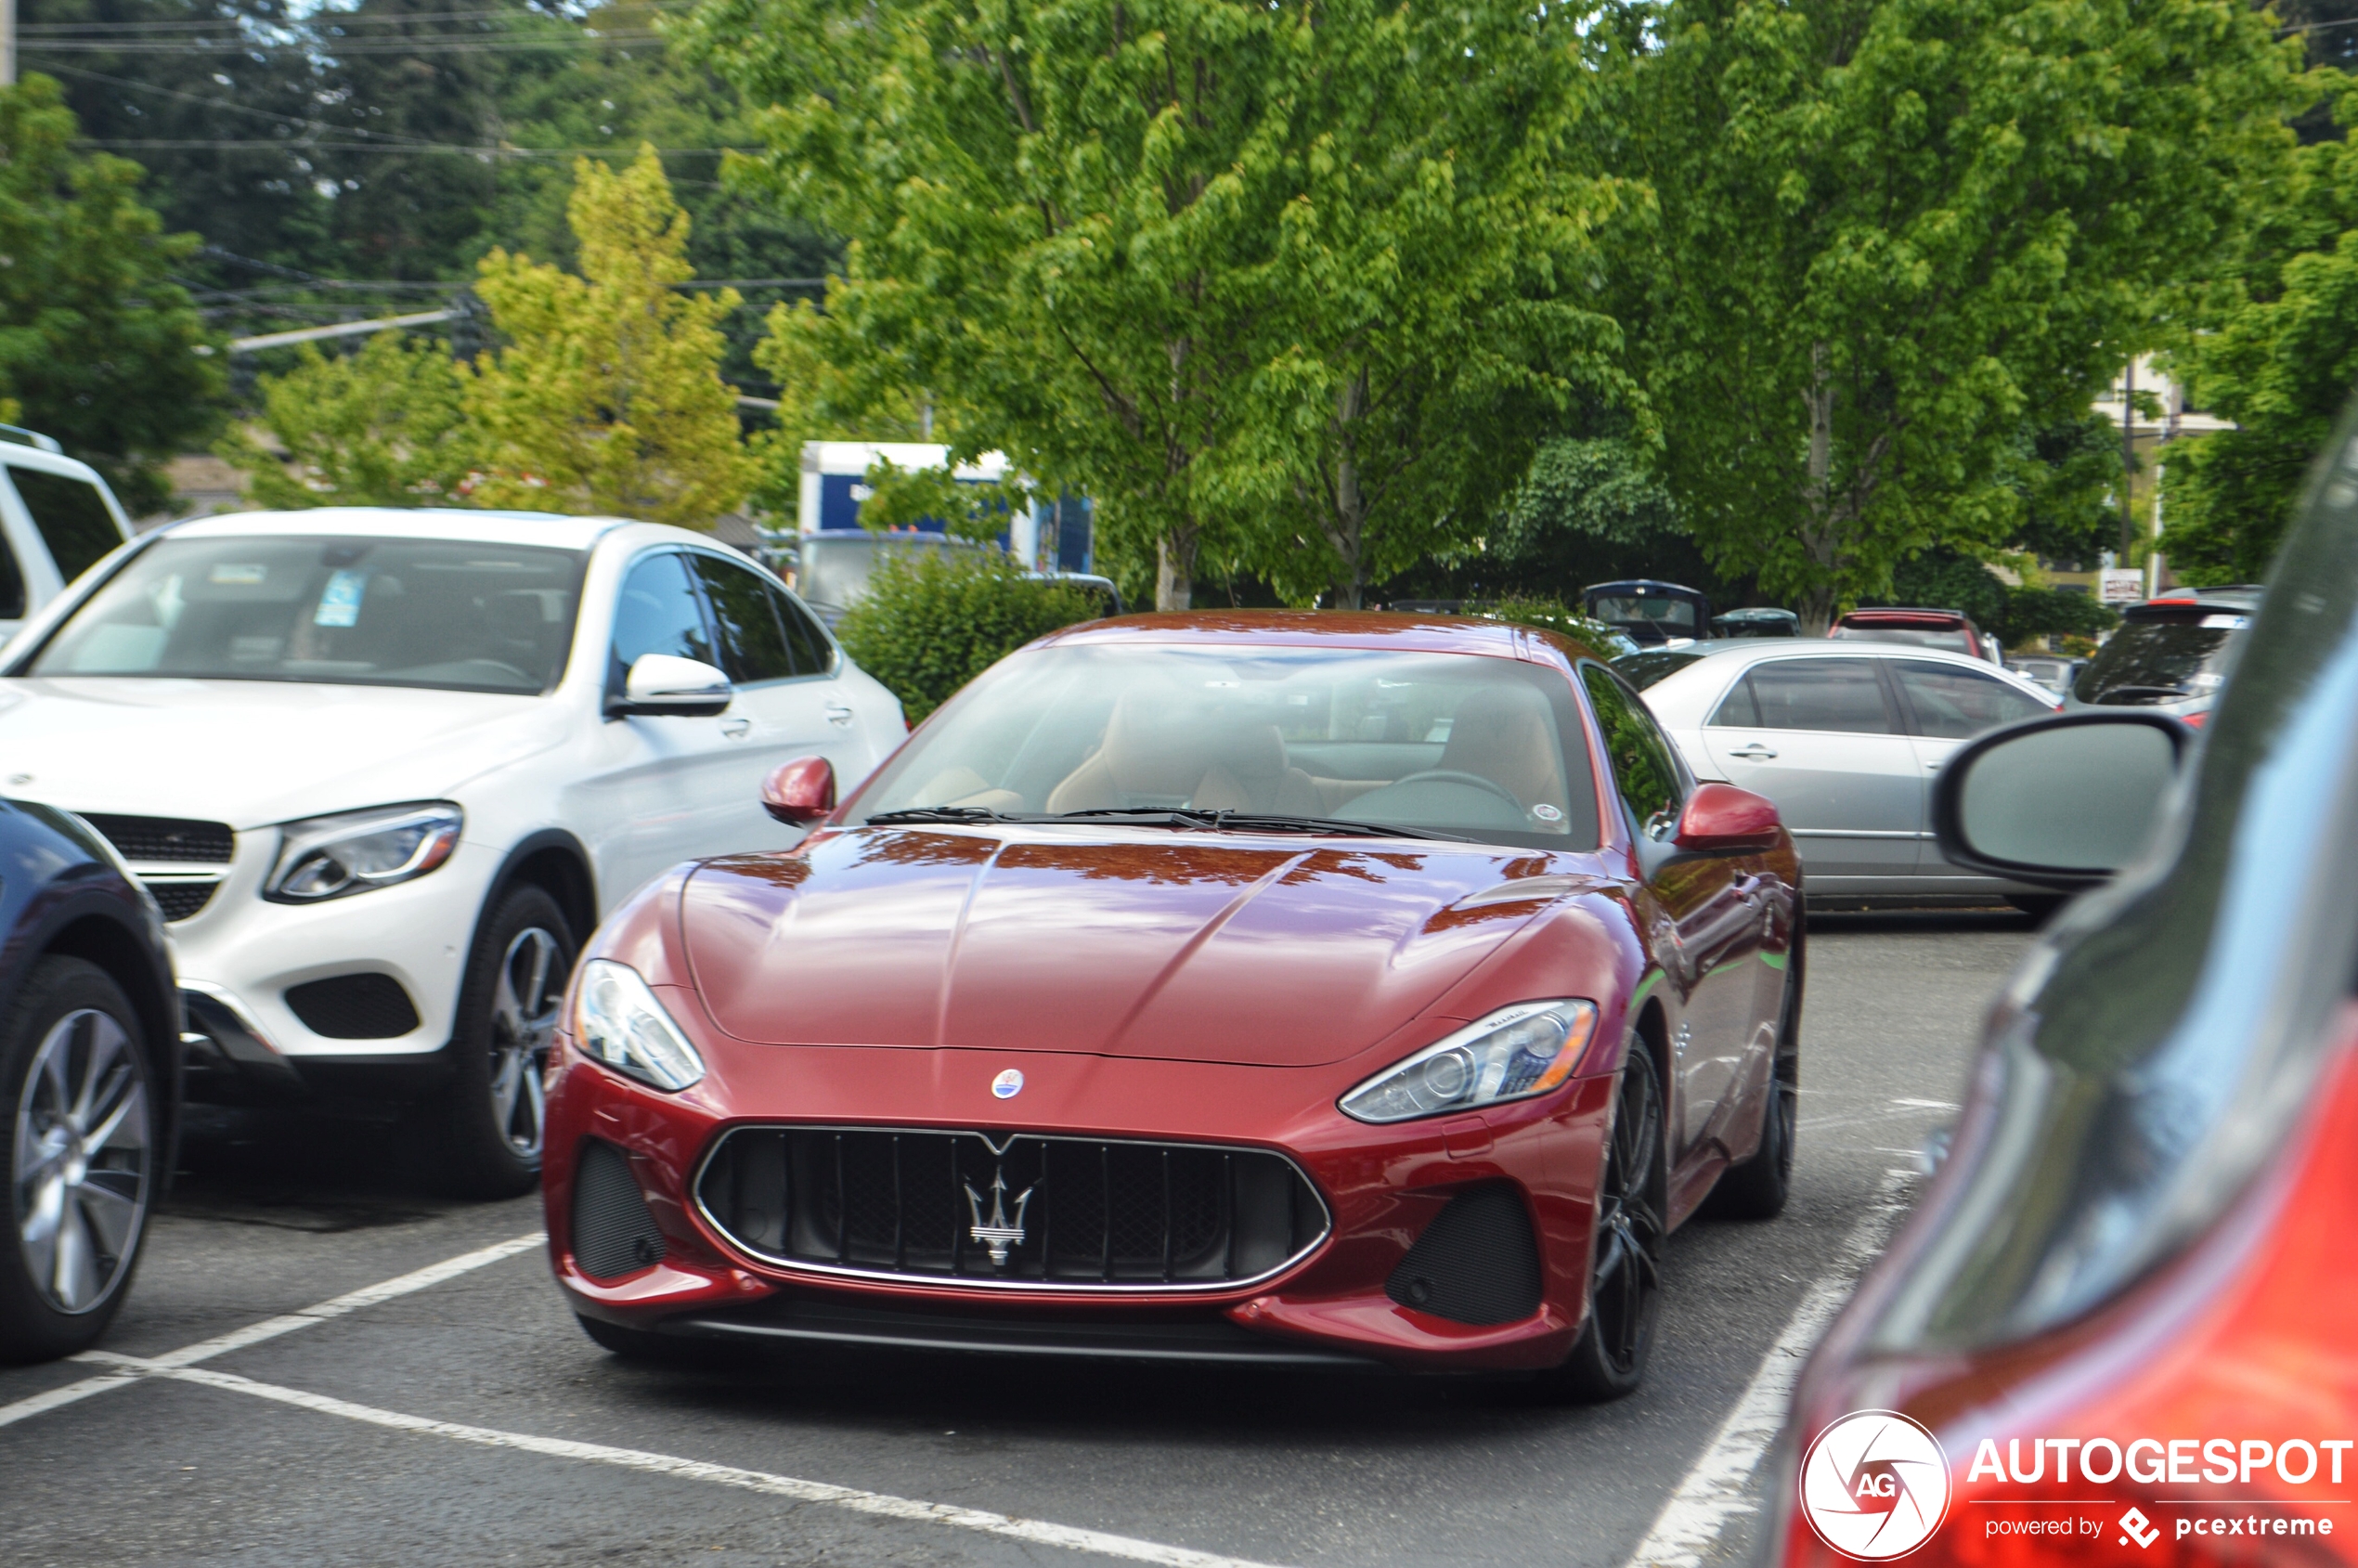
1874,1486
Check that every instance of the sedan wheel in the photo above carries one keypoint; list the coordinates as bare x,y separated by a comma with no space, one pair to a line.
81,1146
1624,1274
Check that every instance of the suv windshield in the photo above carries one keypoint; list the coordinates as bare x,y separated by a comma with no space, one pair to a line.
373,612
2148,661
1482,747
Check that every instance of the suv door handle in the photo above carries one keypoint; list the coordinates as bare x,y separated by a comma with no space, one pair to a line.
839,713
1754,752
736,728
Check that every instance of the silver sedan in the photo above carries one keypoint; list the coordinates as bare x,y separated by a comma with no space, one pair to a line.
1845,738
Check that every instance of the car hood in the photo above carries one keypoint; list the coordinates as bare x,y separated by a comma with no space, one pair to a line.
250,753
1227,949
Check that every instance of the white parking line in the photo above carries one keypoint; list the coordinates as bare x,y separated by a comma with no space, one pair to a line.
271,1327
1713,1491
1034,1530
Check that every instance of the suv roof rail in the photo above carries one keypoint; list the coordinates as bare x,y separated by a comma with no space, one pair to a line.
33,438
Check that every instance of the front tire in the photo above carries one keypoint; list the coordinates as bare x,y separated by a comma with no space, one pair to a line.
1625,1270
484,1128
79,1126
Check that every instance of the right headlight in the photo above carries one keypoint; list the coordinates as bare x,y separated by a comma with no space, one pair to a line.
617,1021
1512,1054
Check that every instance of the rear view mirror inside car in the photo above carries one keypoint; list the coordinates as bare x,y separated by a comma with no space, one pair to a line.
2064,802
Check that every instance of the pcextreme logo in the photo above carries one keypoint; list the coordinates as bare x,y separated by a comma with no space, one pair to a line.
1874,1486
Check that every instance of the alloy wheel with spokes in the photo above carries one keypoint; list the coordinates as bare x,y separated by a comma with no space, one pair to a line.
524,1019
82,1125
1625,1272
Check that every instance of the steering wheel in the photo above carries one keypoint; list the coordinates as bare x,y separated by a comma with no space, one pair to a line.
1450,775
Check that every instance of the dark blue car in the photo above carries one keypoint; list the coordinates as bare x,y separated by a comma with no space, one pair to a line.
89,1079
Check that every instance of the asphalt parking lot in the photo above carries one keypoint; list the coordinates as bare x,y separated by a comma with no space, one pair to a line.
298,1392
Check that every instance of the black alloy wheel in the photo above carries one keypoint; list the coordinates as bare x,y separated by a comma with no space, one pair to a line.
79,1128
1757,1188
485,1127
1625,1270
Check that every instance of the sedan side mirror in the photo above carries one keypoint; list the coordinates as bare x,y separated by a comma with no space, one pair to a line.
667,686
1719,819
2062,802
801,792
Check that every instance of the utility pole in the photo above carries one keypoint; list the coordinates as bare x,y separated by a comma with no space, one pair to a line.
2127,448
7,42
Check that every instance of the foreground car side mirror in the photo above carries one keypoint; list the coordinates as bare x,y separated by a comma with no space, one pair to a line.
2061,802
801,792
1719,819
667,686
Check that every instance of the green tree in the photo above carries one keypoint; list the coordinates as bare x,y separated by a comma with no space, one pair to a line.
1283,274
382,427
609,398
98,346
1894,235
932,620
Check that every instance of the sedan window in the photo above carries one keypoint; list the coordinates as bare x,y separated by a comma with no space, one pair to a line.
1952,704
1844,695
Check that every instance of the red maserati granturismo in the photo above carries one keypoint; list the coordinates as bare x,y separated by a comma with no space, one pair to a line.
1265,988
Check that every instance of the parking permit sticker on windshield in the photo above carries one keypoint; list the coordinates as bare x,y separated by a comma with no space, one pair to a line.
237,574
339,603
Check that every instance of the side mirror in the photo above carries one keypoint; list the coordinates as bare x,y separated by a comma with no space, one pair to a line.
1719,819
665,686
801,792
2062,802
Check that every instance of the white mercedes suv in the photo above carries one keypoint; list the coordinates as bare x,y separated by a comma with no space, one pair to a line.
384,770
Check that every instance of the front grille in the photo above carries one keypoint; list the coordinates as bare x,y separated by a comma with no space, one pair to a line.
180,899
353,1007
166,838
1016,1210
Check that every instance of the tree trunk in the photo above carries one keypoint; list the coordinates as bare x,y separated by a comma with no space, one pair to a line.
1175,569
1817,605
1349,530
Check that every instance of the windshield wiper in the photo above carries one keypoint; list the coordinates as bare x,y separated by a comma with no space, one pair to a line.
942,814
1257,821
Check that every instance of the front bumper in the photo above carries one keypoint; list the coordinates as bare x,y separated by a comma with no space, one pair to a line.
1381,1186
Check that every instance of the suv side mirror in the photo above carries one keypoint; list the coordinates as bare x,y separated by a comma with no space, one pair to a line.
801,792
1719,819
667,686
2062,802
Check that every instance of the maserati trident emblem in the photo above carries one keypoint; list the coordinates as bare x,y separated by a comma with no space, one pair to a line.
999,1232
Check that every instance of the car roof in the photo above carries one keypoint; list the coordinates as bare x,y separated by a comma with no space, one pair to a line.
1359,629
457,523
1904,615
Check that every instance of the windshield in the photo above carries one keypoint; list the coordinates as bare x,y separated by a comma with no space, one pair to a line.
1460,744
1642,670
1672,617
2148,661
372,611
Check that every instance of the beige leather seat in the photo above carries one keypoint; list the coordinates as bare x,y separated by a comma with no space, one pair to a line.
1159,750
1501,734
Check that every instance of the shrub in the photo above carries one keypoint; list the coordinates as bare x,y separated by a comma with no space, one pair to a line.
1549,615
933,620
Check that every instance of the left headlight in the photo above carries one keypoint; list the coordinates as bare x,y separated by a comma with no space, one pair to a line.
353,852
617,1021
1515,1053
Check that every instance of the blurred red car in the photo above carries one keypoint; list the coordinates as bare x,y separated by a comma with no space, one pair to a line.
1255,988
2122,1310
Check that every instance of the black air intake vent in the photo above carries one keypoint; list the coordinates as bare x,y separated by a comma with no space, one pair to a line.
1475,1263
180,899
353,1007
613,1234
166,838
1011,1209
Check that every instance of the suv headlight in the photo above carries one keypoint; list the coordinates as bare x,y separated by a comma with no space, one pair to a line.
353,852
617,1021
1515,1053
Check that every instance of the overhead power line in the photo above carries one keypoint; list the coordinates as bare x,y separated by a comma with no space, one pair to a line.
333,47
315,20
342,330
291,144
